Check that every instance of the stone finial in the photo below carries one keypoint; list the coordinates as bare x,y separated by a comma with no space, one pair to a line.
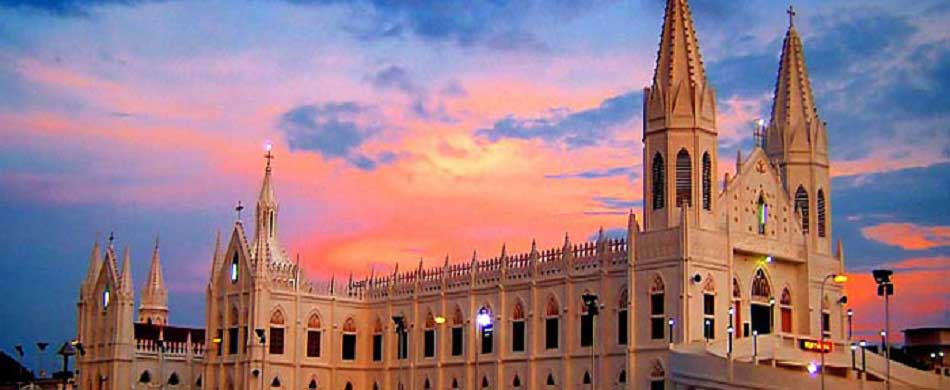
446,265
600,234
534,246
567,241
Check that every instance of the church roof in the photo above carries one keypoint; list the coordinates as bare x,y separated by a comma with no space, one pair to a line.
678,58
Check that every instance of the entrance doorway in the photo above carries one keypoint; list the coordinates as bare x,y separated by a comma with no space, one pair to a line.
761,318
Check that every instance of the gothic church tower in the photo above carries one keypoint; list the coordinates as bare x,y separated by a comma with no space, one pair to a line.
154,305
797,143
679,129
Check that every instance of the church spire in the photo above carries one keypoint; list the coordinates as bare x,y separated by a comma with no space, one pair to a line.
267,203
126,281
154,307
795,124
92,272
678,59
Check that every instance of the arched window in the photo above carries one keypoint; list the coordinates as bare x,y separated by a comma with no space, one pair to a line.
659,182
657,311
821,213
277,333
106,297
485,382
587,324
762,213
762,303
313,384
458,332
314,334
275,382
378,340
622,319
487,336
707,182
146,377
348,352
173,379
550,380
586,379
760,286
684,179
198,382
518,329
349,386
552,324
428,337
622,378
516,382
455,383
235,268
375,386
426,385
709,308
801,207
785,304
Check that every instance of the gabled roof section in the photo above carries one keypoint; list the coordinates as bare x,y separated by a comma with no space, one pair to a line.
678,58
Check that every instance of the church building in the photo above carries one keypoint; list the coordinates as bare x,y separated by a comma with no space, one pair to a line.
725,283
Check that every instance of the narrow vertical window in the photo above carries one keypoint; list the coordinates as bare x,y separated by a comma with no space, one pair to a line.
707,182
378,341
762,209
487,335
232,341
801,207
587,327
684,179
235,268
277,333
313,336
786,310
518,329
659,182
709,315
821,213
552,325
348,350
622,327
657,312
457,333
106,297
428,337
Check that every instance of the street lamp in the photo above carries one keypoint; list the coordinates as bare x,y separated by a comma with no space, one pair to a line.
850,323
885,288
729,332
399,323
771,314
590,300
863,344
706,331
66,351
837,278
854,348
482,324
262,338
755,346
671,322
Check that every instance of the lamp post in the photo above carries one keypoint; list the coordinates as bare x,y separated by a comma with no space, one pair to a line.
854,348
262,339
42,347
482,323
671,322
729,332
755,346
590,299
850,324
837,278
885,288
399,323
66,351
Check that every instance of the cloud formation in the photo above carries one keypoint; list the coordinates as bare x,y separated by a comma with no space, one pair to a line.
335,130
909,236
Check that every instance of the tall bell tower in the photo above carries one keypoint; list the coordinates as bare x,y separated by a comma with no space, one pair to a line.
679,129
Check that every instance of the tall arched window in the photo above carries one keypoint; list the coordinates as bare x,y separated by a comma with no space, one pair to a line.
428,337
657,311
518,329
707,181
762,303
348,352
313,335
659,182
786,310
378,340
552,324
801,207
684,179
458,332
277,333
821,213
487,337
762,213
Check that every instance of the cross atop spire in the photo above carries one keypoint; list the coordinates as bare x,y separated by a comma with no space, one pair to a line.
791,16
269,156
678,59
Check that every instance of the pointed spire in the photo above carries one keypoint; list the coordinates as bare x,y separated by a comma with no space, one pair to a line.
678,59
217,256
632,224
600,234
567,241
92,272
155,280
534,246
446,260
266,214
126,280
793,108
504,250
154,300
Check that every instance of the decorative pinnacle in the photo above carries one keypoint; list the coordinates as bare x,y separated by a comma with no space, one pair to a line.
111,237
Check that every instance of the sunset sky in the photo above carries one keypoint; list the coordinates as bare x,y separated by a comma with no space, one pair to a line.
420,129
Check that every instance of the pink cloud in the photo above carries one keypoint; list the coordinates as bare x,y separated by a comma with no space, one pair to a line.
908,236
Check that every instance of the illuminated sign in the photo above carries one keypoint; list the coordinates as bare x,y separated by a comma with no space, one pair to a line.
816,346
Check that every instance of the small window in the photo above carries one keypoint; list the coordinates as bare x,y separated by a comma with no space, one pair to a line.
313,343
402,345
235,268
657,320
312,385
484,382
684,179
106,297
763,214
587,330
349,386
622,327
622,378
220,341
709,316
801,207
657,384
551,326
516,382
377,347
550,380
659,182
429,341
276,341
517,336
457,341
826,323
821,213
232,341
173,379
488,341
707,182
349,346
145,377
